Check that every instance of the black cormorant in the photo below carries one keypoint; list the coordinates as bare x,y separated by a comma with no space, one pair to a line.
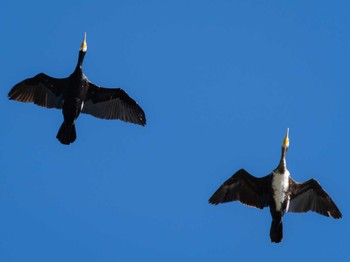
278,191
76,94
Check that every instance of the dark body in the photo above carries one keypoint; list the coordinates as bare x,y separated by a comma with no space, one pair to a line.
279,192
76,94
73,98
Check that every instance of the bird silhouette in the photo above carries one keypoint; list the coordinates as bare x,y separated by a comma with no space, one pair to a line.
76,94
278,191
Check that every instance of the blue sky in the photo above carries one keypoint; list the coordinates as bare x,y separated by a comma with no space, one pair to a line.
219,81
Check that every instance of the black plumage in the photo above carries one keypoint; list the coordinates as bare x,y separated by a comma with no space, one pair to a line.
279,192
76,94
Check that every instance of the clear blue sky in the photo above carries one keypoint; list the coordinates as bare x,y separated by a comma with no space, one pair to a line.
219,81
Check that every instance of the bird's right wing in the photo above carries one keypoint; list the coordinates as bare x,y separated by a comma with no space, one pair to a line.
244,187
310,196
41,90
113,103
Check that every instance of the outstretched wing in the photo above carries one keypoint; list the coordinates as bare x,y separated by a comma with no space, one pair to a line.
113,103
244,187
41,90
310,196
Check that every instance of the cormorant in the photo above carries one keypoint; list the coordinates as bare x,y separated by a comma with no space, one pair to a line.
277,191
76,94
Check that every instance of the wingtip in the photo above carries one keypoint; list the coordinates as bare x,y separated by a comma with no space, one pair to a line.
143,117
212,203
13,95
10,94
337,215
214,199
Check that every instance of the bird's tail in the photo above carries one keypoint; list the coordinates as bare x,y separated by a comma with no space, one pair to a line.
66,134
276,231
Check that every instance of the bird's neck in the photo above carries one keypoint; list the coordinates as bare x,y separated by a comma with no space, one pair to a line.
80,60
283,164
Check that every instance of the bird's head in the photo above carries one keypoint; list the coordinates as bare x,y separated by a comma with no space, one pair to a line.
83,47
285,143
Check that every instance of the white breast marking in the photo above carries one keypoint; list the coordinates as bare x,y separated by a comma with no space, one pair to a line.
280,184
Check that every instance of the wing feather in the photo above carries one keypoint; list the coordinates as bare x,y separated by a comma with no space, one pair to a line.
113,103
41,90
310,196
244,187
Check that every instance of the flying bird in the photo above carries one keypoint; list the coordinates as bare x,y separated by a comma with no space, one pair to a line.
279,192
76,94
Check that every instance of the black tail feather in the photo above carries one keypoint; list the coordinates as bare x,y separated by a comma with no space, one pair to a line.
276,231
66,134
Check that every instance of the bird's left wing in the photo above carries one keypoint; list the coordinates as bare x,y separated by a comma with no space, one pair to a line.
41,90
113,103
244,187
310,196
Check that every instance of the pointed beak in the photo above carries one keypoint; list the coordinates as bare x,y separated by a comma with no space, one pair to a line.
83,46
286,139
